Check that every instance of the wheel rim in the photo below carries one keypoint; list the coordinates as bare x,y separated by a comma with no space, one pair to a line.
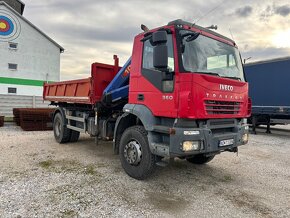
133,153
57,127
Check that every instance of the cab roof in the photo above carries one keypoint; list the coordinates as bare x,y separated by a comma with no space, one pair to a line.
182,22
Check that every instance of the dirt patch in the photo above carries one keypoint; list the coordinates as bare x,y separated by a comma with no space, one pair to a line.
166,202
243,199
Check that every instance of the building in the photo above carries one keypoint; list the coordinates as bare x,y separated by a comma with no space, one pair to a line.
28,56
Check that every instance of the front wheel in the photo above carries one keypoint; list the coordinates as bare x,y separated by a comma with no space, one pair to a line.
200,159
136,157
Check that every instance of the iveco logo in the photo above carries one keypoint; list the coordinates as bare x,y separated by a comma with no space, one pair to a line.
226,87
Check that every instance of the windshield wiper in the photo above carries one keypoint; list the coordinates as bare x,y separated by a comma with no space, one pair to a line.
192,36
232,77
210,73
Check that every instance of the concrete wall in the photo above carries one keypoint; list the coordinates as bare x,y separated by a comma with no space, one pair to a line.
8,102
38,58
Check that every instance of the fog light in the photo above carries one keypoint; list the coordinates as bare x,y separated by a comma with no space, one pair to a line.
190,145
245,137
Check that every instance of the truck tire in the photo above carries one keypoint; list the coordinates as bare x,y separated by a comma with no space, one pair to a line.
200,159
74,137
136,157
61,133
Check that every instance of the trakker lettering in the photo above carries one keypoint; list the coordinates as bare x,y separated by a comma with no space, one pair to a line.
220,96
226,87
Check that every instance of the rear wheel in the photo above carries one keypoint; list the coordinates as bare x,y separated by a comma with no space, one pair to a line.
61,133
136,157
74,137
200,159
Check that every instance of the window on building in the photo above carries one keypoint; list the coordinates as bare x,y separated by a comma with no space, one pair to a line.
12,90
13,45
12,66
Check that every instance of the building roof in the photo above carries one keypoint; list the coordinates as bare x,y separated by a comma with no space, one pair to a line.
22,6
32,25
268,61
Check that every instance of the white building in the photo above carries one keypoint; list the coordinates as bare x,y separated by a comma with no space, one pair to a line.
28,57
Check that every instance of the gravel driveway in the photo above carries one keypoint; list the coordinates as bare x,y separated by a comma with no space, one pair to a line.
40,178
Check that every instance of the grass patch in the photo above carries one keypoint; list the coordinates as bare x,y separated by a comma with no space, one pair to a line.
227,178
46,164
69,166
90,169
68,213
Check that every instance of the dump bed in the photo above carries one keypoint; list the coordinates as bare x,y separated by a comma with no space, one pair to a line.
82,91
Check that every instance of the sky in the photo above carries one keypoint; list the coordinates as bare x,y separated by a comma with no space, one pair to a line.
93,30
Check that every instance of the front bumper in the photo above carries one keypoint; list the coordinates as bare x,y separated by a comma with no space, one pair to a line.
210,134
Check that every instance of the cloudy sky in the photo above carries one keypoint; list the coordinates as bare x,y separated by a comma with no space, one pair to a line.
95,30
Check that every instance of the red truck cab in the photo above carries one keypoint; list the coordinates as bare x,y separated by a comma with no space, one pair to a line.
199,93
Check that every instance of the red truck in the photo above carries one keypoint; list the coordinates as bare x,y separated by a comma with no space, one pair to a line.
181,94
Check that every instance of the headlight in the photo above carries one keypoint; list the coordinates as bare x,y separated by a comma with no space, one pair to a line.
191,145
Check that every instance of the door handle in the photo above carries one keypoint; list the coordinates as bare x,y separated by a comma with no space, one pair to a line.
140,97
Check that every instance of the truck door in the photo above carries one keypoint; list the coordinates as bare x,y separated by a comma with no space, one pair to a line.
159,93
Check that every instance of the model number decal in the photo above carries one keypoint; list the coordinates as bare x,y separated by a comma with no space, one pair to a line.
167,97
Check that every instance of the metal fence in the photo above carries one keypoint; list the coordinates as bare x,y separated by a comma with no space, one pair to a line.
8,102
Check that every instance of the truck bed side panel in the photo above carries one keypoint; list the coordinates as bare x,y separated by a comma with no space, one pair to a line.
82,91
74,91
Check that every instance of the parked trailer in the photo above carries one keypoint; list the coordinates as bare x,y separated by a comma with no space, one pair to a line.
168,100
269,90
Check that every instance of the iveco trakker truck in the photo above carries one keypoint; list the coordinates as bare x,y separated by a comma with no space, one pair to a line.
181,94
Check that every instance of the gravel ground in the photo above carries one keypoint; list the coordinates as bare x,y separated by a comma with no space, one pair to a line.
40,178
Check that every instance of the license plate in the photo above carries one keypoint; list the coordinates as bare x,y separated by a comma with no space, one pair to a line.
226,142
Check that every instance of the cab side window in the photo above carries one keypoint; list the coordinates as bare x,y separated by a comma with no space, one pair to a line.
148,55
152,74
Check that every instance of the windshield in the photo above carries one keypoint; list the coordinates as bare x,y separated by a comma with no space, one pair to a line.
206,55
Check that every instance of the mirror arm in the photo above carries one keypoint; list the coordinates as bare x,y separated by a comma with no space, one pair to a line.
146,37
166,75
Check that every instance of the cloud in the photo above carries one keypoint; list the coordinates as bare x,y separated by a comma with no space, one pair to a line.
244,12
271,10
260,53
93,31
283,10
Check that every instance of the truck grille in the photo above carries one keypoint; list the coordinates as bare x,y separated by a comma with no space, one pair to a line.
222,107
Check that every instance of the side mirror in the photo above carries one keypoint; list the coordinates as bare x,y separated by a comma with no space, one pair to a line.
159,37
160,57
160,51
